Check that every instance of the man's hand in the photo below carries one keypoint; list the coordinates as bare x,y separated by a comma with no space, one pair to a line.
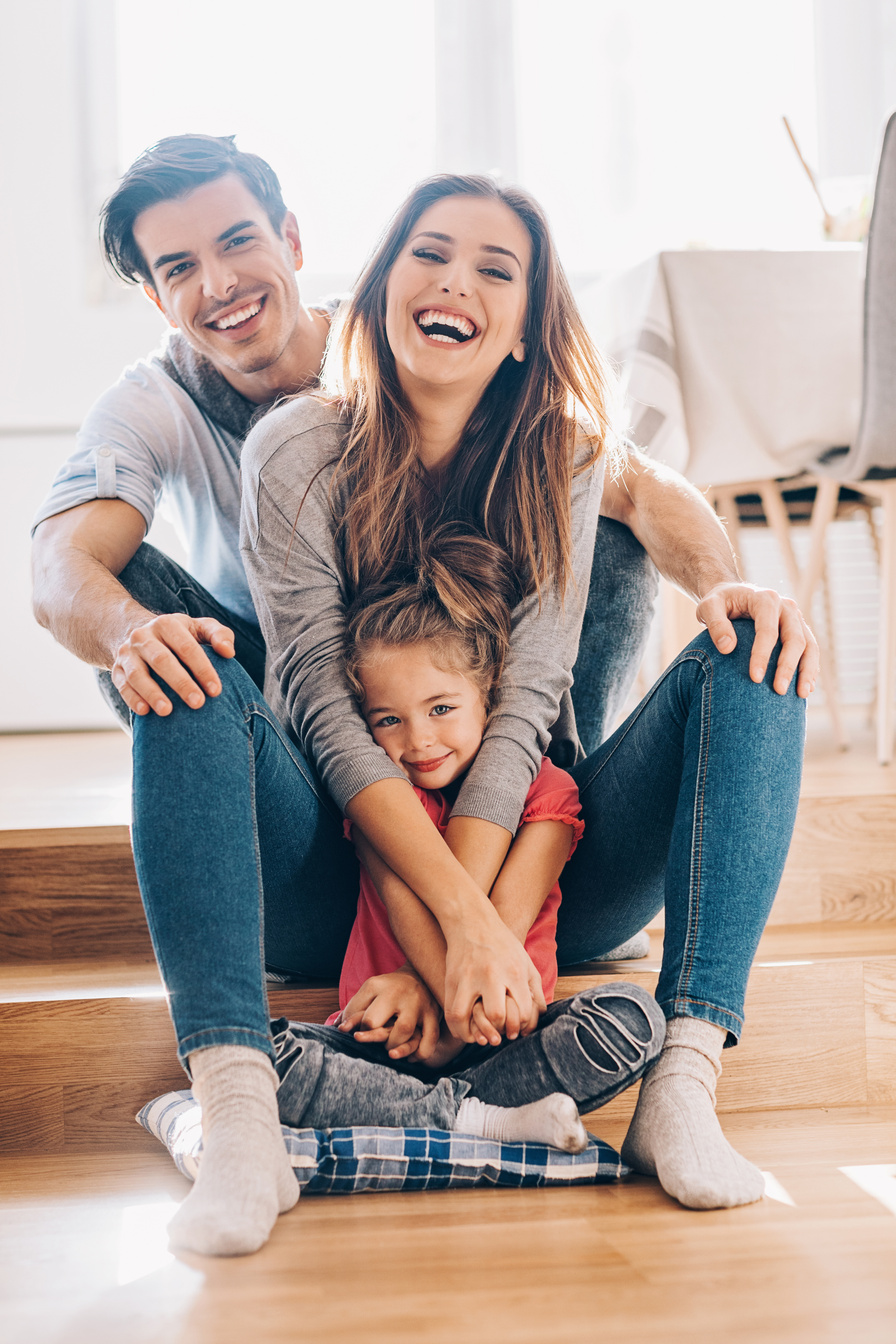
775,618
396,1010
170,647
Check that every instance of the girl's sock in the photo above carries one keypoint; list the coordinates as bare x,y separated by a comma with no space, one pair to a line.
553,1120
245,1179
675,1134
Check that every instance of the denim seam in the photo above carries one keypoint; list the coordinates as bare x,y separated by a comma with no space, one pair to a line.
695,875
262,710
187,1045
250,744
685,1000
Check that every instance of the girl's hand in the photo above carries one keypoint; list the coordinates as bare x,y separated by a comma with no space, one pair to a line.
491,985
397,1010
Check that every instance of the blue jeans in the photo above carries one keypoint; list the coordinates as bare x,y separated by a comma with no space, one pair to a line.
690,804
592,1047
240,854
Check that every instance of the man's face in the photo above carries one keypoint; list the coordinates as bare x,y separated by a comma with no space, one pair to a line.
222,275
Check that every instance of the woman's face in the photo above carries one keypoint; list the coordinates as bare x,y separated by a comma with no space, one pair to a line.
456,295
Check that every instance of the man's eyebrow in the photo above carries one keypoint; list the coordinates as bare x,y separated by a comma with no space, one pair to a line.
168,257
236,228
485,247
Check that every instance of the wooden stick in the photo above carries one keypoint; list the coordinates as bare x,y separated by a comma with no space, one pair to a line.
828,218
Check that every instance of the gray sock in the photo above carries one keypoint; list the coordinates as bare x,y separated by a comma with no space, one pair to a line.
553,1120
675,1133
245,1179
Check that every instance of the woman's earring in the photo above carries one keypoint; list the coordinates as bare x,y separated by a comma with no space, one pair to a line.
519,352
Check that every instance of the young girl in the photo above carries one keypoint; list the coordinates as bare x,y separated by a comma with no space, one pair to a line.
425,654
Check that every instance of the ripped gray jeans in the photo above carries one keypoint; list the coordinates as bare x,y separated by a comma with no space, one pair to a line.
592,1047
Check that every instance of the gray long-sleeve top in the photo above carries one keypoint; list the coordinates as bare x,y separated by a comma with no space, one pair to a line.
287,538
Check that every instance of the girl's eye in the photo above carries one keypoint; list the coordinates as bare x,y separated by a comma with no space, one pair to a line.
496,272
441,710
388,721
427,254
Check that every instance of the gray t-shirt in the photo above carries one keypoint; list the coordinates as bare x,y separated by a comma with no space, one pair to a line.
170,432
289,550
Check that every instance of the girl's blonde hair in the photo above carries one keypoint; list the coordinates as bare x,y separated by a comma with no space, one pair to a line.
457,599
511,478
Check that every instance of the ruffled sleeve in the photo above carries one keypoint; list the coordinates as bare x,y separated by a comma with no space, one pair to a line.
555,797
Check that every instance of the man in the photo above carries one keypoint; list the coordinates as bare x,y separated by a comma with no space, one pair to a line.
203,226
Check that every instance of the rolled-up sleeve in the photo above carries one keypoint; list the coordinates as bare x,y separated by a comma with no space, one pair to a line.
120,451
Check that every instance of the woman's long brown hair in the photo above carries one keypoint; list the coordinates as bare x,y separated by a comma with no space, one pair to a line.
511,476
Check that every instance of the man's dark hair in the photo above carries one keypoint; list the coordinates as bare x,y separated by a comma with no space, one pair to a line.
168,170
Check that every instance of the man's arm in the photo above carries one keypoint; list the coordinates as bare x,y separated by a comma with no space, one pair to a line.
690,547
76,557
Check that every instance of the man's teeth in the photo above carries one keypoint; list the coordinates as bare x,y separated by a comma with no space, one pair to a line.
433,318
234,319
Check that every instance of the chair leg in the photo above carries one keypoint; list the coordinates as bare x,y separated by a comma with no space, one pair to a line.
776,512
886,664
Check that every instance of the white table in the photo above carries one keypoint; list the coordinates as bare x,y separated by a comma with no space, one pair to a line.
736,365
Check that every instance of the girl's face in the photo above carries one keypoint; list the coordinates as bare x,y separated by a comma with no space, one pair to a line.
429,720
456,295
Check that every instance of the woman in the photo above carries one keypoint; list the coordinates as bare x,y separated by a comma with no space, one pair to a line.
464,367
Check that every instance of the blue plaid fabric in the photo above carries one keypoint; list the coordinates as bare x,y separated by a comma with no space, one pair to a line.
347,1161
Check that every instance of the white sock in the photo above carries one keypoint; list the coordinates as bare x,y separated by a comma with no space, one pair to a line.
553,1120
245,1179
675,1133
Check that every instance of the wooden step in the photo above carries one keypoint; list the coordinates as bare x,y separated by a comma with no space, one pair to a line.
72,893
69,893
83,1047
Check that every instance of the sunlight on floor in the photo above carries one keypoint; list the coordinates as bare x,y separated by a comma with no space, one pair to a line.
143,1242
775,1190
879,1182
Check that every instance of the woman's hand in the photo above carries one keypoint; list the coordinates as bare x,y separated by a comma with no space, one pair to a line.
397,1010
491,986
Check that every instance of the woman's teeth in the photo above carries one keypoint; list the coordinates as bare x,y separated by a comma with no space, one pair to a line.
447,327
234,319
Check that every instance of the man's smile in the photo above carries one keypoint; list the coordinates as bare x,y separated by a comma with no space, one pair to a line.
238,317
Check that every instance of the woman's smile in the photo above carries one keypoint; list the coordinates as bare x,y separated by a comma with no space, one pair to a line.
456,295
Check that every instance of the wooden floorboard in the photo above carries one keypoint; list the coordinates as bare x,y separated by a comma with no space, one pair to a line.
82,1257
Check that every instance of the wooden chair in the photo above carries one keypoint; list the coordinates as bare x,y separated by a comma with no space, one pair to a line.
869,465
859,476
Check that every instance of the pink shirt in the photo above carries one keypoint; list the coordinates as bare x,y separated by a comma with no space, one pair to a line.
372,946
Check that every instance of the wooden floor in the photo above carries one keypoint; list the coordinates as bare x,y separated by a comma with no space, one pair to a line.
810,1096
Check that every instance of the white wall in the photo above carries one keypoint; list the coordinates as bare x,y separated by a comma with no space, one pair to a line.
671,111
